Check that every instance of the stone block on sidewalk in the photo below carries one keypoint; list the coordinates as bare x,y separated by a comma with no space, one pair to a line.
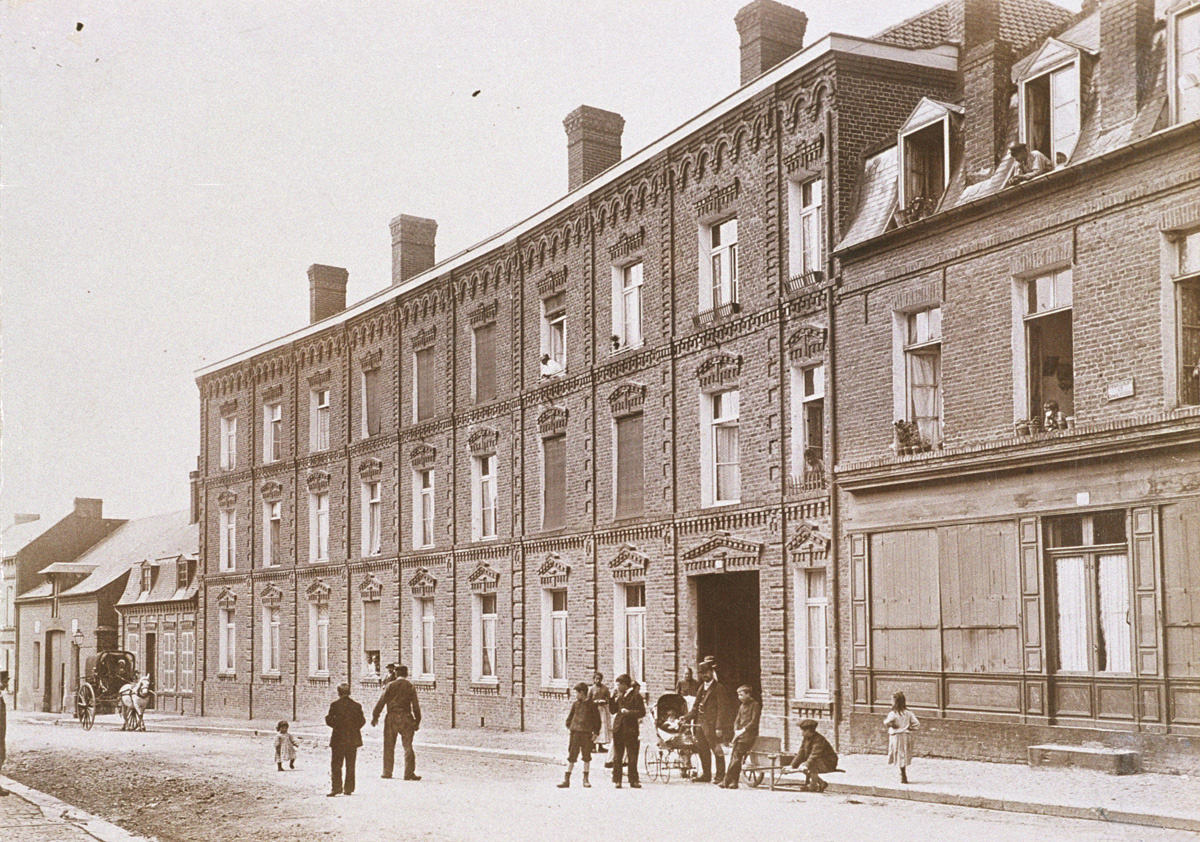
1113,761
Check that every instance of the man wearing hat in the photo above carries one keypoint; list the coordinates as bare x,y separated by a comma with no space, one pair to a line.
1028,163
714,711
403,720
3,722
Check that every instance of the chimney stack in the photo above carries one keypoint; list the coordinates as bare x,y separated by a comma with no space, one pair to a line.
986,79
326,291
412,246
593,143
770,33
194,506
90,507
1126,29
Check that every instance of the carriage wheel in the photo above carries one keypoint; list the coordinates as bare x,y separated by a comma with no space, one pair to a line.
85,707
648,758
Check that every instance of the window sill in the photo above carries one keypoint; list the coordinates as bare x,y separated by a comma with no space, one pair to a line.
716,314
554,692
717,504
624,348
319,678
425,682
818,704
484,687
271,678
371,681
227,676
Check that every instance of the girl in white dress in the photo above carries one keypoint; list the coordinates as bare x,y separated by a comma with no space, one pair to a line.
900,721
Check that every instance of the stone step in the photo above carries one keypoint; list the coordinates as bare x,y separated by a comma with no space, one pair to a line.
1112,761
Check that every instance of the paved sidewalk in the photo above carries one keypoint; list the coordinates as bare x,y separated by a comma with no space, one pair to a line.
1148,799
27,815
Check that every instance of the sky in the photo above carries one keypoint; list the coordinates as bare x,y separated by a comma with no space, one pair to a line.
169,170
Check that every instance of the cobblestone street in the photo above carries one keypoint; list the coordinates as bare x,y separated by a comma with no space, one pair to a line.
176,786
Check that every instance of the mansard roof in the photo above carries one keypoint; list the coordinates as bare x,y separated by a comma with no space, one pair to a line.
1022,23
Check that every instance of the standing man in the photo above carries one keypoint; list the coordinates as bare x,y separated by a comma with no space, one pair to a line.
3,722
688,685
714,711
346,719
403,719
629,708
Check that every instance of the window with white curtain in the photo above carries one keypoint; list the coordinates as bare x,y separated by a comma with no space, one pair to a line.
319,435
724,452
227,539
812,645
719,266
483,648
318,638
554,637
272,432
372,518
423,636
423,509
270,655
635,631
627,305
923,372
227,641
805,253
318,529
272,533
229,442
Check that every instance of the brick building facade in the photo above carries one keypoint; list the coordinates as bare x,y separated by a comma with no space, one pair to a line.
600,439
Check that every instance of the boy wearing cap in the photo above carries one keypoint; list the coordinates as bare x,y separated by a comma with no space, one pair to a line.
583,721
745,732
816,755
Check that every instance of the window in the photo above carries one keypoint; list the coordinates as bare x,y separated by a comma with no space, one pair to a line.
371,636
1187,309
627,306
168,661
484,638
554,638
318,638
1049,355
272,432
926,167
635,631
147,578
808,434
422,653
318,527
719,262
721,473
227,540
423,507
319,436
554,335
554,482
227,642
183,574
371,417
923,372
1089,566
229,443
423,385
630,476
187,660
1185,67
805,252
372,518
272,533
484,363
1051,112
37,665
484,502
812,647
131,642
271,654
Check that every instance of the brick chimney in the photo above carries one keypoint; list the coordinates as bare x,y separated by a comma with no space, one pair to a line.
593,143
326,291
412,246
770,33
1126,28
90,507
986,71
194,499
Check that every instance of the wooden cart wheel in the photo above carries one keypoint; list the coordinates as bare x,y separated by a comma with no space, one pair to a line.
753,777
85,706
650,762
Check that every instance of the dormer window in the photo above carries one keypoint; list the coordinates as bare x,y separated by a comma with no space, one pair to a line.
1183,63
925,157
1050,102
147,578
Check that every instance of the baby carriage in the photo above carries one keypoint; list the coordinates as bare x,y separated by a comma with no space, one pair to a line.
675,750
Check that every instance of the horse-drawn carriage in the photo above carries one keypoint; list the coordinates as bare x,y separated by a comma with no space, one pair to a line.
111,683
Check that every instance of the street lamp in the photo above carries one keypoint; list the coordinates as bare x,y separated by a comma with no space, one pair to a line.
77,639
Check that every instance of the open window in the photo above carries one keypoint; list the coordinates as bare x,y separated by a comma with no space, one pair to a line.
1050,101
1049,351
927,143
1186,277
1183,62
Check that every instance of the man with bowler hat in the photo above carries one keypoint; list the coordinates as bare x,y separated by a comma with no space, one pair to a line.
403,719
714,711
346,719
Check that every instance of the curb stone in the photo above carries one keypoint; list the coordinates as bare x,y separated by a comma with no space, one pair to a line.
57,810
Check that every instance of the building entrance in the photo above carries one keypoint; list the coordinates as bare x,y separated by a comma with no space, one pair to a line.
727,626
56,672
150,667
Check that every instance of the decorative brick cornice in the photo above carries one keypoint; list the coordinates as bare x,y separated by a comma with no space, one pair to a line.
370,589
554,572
806,154
423,583
627,399
553,283
370,469
422,456
717,198
552,422
227,499
318,378
627,244
483,579
723,552
484,313
318,592
371,360
229,407
270,393
720,371
226,599
424,337
483,441
716,314
629,565
271,596
809,545
808,342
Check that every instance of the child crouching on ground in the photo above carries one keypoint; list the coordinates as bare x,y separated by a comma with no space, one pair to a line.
816,755
285,746
583,721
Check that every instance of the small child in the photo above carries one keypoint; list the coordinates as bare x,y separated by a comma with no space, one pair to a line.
900,721
285,746
583,721
600,695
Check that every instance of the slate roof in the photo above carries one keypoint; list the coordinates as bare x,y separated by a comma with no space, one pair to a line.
20,535
1022,24
878,192
163,584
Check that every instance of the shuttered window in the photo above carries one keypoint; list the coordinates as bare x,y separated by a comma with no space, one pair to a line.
485,363
371,645
554,488
371,417
630,477
424,387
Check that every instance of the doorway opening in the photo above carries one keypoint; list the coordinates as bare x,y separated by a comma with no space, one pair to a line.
727,626
151,663
56,672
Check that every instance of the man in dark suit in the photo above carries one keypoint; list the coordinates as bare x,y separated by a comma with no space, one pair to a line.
346,719
403,719
628,707
714,711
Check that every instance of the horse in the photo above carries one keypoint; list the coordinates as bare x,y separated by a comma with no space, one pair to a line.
132,701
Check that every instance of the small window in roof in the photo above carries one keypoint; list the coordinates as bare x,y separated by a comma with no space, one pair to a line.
1050,101
925,158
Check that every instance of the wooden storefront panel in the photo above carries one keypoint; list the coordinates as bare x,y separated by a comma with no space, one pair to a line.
904,601
1181,586
980,586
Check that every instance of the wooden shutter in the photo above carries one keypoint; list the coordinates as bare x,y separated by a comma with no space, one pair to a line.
631,481
555,488
425,387
485,363
371,400
371,626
